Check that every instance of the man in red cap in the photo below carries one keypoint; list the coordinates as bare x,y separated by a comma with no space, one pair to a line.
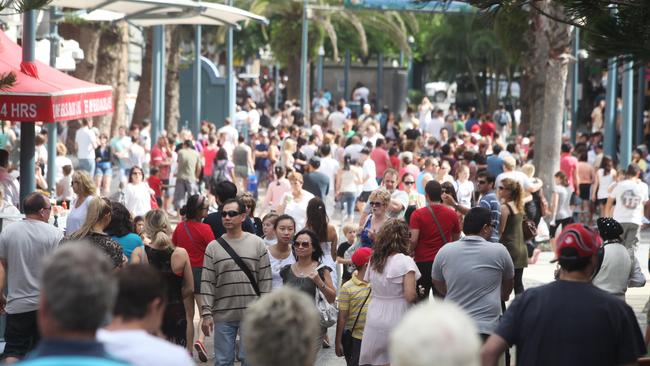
569,321
354,297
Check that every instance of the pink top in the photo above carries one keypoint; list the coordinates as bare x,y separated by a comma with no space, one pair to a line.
382,160
569,165
208,157
411,168
275,192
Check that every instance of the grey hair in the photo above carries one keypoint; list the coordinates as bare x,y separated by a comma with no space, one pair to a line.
440,334
78,286
281,328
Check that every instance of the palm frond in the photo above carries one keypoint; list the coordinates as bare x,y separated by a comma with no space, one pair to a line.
7,80
358,25
326,23
22,6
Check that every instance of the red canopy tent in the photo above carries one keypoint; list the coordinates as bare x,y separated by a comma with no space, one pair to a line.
43,93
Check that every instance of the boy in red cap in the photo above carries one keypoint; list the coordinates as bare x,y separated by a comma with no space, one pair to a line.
569,321
354,297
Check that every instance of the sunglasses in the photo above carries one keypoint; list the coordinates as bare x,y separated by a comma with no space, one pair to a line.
302,244
230,213
375,204
409,183
481,182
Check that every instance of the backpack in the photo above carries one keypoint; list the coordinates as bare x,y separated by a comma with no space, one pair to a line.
502,118
219,173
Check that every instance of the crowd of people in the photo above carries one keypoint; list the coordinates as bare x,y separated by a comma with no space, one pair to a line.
273,228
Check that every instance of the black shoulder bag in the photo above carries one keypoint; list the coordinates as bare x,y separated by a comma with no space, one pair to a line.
346,338
240,263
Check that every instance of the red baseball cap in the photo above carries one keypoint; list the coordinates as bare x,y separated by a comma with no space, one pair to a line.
361,256
579,237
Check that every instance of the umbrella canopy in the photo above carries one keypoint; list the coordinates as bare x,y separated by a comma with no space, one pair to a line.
159,12
43,93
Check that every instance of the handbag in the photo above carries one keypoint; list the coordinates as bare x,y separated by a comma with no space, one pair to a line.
528,226
346,338
328,312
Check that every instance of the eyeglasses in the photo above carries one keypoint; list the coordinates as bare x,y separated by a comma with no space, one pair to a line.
301,244
375,204
409,183
230,213
481,182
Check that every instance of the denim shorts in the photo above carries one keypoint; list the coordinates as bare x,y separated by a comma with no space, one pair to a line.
103,168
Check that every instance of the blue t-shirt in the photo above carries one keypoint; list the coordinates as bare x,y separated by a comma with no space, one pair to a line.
128,243
494,165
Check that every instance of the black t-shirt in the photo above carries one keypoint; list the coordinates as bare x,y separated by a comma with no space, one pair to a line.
571,323
340,252
412,134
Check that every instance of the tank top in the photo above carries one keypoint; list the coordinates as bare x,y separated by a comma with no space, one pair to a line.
240,156
347,181
604,181
162,261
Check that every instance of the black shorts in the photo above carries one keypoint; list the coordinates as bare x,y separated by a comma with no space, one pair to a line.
563,222
196,273
21,334
585,190
601,202
363,197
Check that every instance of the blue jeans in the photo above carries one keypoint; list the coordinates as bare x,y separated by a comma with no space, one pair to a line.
225,335
348,198
87,165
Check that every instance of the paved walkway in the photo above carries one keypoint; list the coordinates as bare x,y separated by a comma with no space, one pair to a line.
534,275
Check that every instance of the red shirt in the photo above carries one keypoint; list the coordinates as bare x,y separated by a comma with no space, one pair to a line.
158,156
395,161
202,235
156,184
382,160
208,157
568,166
488,129
429,240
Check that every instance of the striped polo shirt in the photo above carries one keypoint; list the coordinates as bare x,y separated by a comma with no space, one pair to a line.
351,295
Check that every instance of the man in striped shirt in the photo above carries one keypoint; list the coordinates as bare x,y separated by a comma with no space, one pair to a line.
226,289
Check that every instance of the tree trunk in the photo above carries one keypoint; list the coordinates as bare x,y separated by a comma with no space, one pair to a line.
293,85
142,109
107,71
120,88
88,36
172,85
477,88
549,137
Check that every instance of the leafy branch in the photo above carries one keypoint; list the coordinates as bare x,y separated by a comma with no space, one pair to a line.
21,6
7,80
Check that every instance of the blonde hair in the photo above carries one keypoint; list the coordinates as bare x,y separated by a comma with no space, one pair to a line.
528,169
516,194
380,193
349,227
61,150
289,145
98,208
157,228
85,185
295,176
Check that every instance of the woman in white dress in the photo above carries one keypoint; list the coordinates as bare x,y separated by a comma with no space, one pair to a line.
294,202
605,176
137,194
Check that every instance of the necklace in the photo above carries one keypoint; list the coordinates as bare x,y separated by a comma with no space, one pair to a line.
301,271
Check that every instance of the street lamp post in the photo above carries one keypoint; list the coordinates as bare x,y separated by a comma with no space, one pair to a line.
52,128
230,73
28,129
196,124
574,85
303,59
609,137
319,69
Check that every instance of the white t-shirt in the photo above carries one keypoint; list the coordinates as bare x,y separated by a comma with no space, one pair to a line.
86,140
276,266
369,172
464,192
77,215
520,177
139,348
297,209
361,93
329,167
434,126
137,198
137,155
231,133
254,118
60,162
336,120
354,150
630,196
604,182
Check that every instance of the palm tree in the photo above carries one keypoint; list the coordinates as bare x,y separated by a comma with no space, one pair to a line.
286,21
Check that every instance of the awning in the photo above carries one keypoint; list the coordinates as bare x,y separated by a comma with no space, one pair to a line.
158,12
43,93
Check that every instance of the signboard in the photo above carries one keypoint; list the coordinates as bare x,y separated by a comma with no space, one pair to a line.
55,108
411,5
